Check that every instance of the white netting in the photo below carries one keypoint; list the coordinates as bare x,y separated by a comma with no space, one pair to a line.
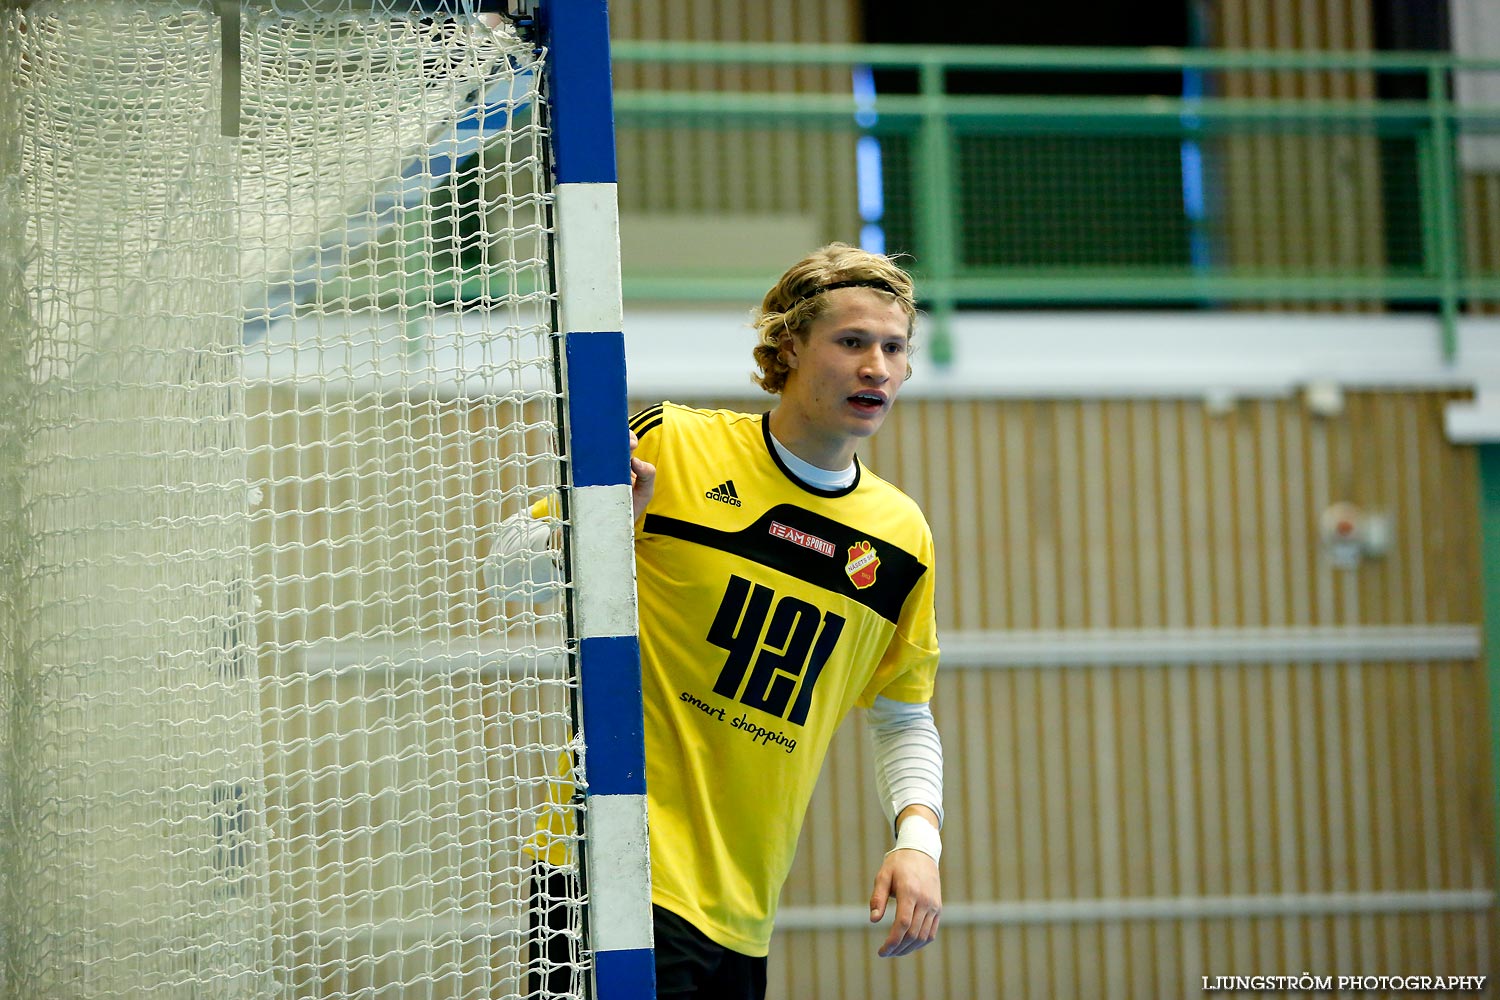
262,400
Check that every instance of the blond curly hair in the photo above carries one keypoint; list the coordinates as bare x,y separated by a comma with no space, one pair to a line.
794,303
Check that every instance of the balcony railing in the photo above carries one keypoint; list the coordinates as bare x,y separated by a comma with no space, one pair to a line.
1344,180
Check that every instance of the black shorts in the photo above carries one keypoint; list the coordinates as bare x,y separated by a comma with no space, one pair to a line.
691,967
688,965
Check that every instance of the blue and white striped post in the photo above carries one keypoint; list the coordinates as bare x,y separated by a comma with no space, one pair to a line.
617,869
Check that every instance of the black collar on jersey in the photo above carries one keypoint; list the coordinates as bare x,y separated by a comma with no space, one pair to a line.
765,431
877,283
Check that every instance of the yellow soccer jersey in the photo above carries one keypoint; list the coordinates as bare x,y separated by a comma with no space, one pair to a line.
768,609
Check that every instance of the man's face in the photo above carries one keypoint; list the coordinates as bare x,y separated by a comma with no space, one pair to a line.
846,373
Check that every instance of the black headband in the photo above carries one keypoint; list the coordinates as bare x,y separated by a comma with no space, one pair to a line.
877,283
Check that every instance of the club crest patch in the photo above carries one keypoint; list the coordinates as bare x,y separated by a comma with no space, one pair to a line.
863,562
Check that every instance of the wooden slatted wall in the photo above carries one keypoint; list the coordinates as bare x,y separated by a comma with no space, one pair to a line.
1070,785
1298,203
1480,209
703,183
1475,33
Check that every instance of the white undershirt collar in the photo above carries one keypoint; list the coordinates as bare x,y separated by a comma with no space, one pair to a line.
810,474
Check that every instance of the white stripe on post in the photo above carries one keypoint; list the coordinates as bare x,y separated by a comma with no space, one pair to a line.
588,258
619,873
603,541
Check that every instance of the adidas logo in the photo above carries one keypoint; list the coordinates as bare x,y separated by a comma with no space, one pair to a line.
724,493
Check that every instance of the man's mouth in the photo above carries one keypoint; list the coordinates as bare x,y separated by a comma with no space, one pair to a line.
867,402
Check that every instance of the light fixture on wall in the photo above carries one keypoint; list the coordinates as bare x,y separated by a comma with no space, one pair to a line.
1350,534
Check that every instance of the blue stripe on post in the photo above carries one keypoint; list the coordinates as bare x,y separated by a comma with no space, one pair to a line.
598,410
615,739
626,975
583,123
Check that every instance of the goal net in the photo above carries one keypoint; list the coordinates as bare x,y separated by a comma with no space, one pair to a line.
264,396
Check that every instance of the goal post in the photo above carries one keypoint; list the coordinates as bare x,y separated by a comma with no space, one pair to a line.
601,549
291,318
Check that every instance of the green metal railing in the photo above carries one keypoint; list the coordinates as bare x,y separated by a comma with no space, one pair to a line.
1404,149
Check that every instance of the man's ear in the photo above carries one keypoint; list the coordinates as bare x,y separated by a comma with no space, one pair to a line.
788,350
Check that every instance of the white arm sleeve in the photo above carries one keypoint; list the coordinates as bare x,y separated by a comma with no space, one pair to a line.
522,562
908,756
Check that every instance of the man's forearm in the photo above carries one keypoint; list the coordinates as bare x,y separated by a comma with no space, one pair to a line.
908,759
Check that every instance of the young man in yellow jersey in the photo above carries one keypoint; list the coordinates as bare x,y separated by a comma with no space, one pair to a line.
781,584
